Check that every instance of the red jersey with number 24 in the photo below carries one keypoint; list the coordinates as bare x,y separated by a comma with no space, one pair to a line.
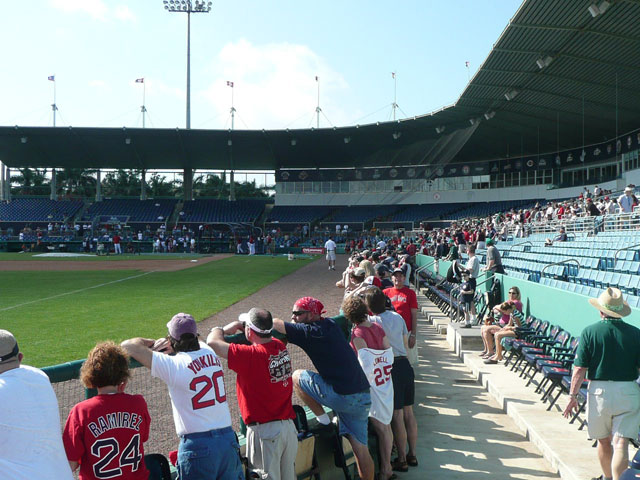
105,434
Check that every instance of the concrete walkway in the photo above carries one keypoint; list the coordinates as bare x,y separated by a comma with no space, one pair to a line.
463,431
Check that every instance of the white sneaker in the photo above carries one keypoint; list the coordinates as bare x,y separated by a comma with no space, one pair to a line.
329,268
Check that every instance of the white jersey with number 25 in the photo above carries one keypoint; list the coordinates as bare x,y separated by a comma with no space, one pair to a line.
377,365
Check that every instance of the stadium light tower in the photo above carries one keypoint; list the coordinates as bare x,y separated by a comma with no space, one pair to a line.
188,7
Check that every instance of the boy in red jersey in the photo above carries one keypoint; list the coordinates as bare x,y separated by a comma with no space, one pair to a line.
105,434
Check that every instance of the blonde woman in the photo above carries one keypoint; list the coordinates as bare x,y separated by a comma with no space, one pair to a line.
492,334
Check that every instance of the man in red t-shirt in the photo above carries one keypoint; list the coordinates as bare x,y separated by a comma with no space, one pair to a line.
105,434
404,301
264,388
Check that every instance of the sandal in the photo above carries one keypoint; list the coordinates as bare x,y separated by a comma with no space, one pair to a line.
412,460
398,466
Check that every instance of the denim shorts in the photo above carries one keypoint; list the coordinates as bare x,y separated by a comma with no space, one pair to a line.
352,410
210,455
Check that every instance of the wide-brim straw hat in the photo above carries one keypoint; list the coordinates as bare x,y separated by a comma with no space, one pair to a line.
611,303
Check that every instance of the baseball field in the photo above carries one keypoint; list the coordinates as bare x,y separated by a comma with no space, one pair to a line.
59,308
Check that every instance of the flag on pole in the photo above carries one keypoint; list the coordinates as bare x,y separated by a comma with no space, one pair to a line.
51,78
393,74
140,80
316,78
466,64
229,84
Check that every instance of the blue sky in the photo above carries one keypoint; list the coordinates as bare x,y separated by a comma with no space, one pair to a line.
271,50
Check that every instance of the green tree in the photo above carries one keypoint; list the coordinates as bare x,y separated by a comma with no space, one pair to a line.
122,183
76,181
31,181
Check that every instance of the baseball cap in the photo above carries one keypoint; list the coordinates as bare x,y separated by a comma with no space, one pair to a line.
180,324
375,255
628,189
380,267
398,270
375,281
8,348
359,272
490,241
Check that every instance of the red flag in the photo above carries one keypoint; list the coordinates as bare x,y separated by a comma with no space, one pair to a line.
316,78
51,78
139,80
229,84
466,64
393,74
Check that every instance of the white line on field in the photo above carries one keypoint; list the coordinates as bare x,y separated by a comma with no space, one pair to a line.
74,291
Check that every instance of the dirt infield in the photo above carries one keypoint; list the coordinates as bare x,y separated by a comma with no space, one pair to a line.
150,265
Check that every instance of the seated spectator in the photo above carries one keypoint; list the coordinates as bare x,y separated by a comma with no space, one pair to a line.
30,443
505,328
372,347
561,237
87,439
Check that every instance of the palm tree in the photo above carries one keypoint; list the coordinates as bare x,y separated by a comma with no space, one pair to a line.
77,181
32,181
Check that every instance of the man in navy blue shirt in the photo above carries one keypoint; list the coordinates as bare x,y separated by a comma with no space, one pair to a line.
340,383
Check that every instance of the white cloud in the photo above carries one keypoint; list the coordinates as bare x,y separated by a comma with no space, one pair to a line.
275,86
99,85
97,9
122,12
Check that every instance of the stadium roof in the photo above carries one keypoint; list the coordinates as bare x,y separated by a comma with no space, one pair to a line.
558,77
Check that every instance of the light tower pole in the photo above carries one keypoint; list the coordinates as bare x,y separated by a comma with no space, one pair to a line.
188,7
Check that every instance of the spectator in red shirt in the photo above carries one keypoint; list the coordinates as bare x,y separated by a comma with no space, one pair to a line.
404,302
264,388
117,248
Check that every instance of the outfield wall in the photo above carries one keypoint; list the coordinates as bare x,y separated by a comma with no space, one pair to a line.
570,310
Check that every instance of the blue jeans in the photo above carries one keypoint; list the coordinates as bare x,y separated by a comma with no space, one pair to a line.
209,455
352,410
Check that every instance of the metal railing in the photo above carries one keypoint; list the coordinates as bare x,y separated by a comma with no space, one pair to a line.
632,247
458,288
568,260
416,275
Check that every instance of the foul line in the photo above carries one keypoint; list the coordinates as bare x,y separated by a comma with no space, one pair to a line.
74,291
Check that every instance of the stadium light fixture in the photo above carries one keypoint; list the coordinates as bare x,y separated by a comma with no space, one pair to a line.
24,139
440,129
598,9
396,135
127,141
511,94
229,142
544,62
489,115
347,139
293,142
188,7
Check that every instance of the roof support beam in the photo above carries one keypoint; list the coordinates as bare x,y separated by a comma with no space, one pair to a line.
581,30
560,77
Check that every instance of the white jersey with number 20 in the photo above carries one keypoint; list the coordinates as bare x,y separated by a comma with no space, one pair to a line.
196,386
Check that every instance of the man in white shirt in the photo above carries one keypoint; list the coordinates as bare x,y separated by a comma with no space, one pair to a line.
381,245
208,447
330,248
31,442
626,200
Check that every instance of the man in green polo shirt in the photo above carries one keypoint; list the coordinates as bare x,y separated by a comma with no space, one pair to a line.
609,356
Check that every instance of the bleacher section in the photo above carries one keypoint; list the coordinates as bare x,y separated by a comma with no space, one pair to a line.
39,210
222,211
364,213
135,210
607,259
297,214
489,208
418,213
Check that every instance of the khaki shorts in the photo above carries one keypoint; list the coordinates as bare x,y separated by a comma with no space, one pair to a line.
331,255
273,447
613,408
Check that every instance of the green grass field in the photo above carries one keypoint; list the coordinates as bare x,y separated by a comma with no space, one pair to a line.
59,316
102,258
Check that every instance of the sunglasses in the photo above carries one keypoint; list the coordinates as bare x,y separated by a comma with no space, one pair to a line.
297,314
